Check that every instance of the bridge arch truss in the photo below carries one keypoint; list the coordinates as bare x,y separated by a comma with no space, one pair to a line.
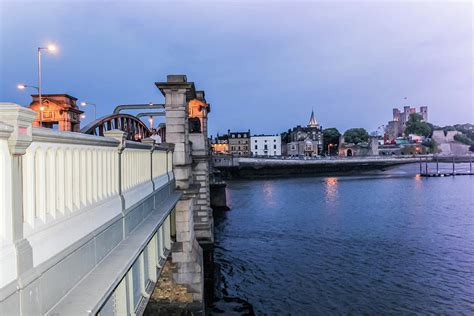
134,128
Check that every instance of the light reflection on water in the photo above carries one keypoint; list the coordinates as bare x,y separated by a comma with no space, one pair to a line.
331,192
268,193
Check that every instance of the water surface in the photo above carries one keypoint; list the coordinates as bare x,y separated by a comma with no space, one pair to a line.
392,243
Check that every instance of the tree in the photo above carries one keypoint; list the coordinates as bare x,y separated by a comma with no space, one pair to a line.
462,139
432,146
416,126
285,137
330,139
356,135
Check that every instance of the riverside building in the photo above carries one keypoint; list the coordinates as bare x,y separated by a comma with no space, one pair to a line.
304,141
239,143
265,145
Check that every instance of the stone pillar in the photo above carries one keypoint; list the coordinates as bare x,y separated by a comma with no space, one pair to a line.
203,219
18,130
186,252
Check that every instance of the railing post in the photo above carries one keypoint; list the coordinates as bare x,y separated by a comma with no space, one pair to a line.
20,120
120,136
151,142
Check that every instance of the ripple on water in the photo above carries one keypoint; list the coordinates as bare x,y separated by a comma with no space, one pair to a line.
378,246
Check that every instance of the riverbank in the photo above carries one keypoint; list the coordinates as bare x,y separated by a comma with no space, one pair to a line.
254,168
257,168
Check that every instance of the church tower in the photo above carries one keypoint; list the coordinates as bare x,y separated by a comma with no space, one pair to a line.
312,120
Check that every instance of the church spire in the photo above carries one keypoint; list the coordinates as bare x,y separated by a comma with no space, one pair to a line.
312,120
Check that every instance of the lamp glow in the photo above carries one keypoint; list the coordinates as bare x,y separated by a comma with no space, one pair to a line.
51,48
21,86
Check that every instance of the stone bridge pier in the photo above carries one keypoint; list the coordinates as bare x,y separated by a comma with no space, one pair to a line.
186,127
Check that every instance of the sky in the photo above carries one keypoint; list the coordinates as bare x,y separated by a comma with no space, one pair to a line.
264,65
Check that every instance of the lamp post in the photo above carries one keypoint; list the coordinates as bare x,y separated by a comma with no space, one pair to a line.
41,115
23,86
329,149
150,120
50,48
93,104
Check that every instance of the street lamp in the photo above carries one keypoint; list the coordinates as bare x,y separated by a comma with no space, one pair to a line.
329,149
23,86
93,104
50,48
150,120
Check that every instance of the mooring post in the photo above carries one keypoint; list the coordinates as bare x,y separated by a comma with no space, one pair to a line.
470,163
421,170
437,165
453,165
426,165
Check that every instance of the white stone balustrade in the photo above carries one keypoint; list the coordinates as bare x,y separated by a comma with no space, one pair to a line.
68,203
64,173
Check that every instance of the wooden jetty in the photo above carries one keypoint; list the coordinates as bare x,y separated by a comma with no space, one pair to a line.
438,173
446,174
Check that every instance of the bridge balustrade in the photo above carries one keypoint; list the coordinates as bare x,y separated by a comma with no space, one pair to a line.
81,214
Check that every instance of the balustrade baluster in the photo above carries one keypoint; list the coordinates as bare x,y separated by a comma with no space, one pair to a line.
40,184
50,193
69,179
90,177
60,181
83,178
29,187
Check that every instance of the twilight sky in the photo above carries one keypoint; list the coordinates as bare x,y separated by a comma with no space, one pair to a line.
264,65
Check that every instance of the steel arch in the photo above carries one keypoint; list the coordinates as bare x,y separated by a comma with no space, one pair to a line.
135,129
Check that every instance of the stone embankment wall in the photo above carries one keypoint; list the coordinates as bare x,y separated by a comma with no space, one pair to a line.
244,167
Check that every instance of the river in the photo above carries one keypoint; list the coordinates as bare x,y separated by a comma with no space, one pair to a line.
387,243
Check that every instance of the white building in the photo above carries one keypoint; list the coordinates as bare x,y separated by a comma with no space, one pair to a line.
265,145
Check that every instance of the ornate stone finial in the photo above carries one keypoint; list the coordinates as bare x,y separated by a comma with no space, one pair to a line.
20,119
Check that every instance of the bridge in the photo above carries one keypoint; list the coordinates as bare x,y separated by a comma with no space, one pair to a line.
87,221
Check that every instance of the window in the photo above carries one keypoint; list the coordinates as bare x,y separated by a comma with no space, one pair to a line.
265,140
274,146
265,147
256,147
255,140
274,140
